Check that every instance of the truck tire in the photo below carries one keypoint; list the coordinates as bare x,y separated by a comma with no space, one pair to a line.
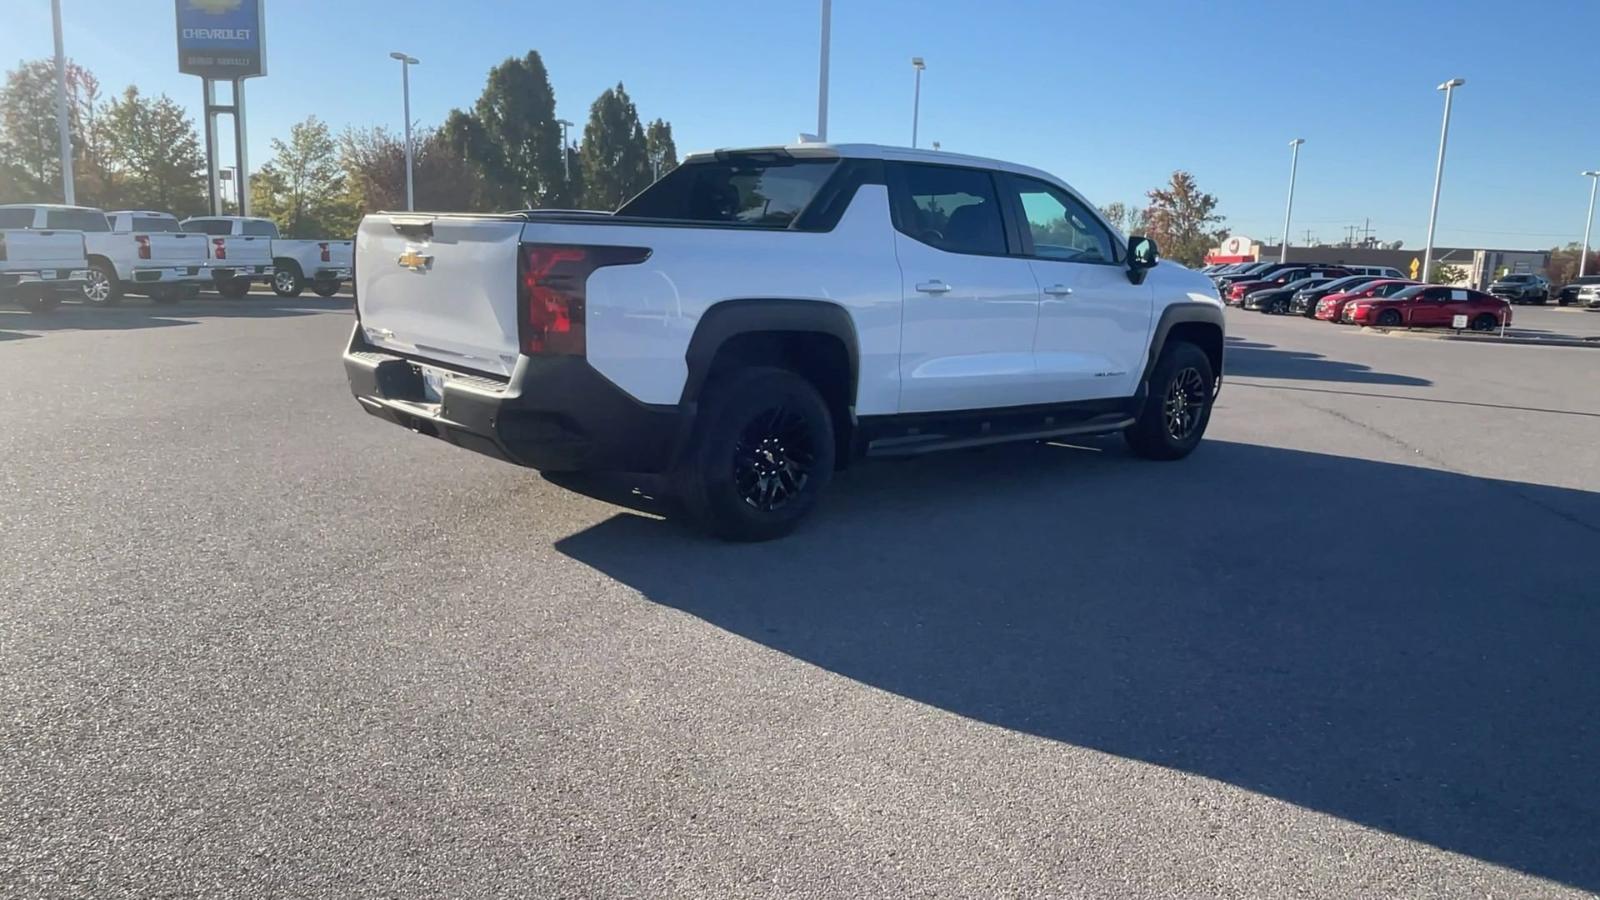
102,287
761,454
38,300
325,288
233,288
286,279
1177,406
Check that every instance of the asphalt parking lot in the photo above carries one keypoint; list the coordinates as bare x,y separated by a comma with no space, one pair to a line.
256,643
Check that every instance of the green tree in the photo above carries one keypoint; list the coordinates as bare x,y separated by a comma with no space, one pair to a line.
511,137
616,157
1444,273
156,154
30,153
1183,220
303,187
662,151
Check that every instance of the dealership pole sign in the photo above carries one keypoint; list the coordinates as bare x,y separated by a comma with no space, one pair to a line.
221,39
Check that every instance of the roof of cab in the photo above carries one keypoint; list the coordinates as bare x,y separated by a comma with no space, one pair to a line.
879,151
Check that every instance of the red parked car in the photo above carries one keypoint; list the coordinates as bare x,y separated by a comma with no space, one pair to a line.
1331,307
1430,305
1238,290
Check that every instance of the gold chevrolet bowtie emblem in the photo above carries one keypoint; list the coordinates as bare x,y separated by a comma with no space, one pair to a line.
415,261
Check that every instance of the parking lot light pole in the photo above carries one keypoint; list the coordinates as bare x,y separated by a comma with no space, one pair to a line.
822,72
1583,259
406,62
64,133
1294,164
1438,174
566,164
916,98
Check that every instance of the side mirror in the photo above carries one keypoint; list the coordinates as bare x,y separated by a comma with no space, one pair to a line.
1142,257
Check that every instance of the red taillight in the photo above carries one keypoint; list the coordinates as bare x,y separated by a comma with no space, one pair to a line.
143,240
219,248
326,256
551,293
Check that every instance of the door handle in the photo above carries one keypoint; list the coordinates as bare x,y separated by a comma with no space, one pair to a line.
1058,290
934,287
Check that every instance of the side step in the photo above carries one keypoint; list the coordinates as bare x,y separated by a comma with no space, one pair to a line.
918,444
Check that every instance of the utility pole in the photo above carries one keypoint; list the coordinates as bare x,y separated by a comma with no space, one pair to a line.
61,110
916,98
1288,208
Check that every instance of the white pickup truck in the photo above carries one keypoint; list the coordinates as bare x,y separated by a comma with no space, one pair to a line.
296,264
241,251
757,318
128,251
38,267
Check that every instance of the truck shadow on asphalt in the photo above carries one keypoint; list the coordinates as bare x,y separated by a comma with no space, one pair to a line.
1253,359
1408,649
137,312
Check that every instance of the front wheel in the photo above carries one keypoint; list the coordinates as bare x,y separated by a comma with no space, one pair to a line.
1177,407
1280,307
1389,318
763,451
286,281
325,288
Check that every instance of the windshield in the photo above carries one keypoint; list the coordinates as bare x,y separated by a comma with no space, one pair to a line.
1409,292
1347,283
761,191
1517,279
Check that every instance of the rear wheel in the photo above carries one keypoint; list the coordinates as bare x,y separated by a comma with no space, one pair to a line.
1485,322
286,280
1178,406
102,288
1389,318
233,288
763,451
325,288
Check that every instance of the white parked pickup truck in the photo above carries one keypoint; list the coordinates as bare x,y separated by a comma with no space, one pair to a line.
38,267
296,264
757,318
241,250
128,252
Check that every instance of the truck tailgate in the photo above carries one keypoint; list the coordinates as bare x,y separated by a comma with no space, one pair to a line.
177,248
250,249
24,248
440,287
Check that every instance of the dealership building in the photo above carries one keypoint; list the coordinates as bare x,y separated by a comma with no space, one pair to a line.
1481,265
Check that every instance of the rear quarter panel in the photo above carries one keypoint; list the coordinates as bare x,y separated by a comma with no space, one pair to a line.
640,318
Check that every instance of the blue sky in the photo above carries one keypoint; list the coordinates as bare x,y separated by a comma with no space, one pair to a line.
1110,96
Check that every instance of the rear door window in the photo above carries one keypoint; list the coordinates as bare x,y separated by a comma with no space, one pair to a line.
214,227
759,190
76,220
950,208
155,223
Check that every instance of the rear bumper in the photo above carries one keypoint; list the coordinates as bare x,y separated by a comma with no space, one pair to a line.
331,273
171,274
555,413
61,280
226,272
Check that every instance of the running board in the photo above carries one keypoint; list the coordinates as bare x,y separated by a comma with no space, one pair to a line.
918,444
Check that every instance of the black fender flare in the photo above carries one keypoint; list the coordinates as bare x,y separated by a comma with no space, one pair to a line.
1178,314
728,319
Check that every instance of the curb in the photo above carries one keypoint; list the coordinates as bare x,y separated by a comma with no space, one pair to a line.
1591,343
